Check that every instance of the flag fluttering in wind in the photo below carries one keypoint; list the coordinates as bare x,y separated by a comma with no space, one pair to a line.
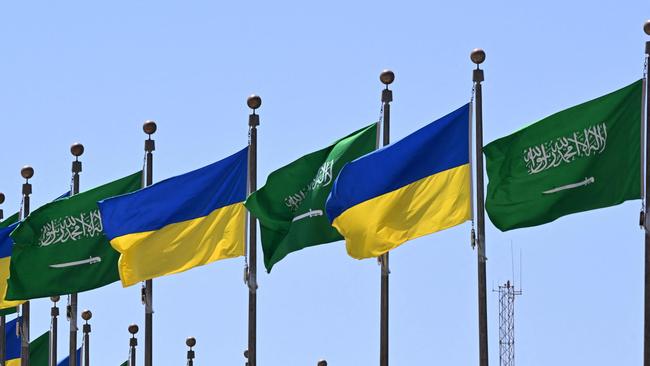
291,205
179,223
414,187
12,343
61,248
579,159
6,244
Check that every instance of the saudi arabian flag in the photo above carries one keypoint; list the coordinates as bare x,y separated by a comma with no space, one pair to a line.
291,205
579,159
61,248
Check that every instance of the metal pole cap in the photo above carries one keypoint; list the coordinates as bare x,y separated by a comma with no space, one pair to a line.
190,342
2,198
646,27
149,127
55,298
254,101
387,77
322,363
27,172
86,315
77,149
477,56
133,329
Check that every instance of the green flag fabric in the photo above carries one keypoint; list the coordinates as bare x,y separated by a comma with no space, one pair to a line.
291,205
61,248
583,158
9,220
39,350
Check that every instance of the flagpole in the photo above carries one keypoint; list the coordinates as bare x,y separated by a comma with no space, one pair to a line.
76,150
2,317
190,342
133,341
86,315
26,172
149,128
54,326
478,56
386,77
646,326
253,102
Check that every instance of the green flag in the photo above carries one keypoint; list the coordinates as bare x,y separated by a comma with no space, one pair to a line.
61,248
291,205
579,159
39,350
9,220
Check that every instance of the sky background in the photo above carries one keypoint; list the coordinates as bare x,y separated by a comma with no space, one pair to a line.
93,72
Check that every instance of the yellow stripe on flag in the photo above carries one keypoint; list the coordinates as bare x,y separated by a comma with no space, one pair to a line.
4,275
181,246
430,204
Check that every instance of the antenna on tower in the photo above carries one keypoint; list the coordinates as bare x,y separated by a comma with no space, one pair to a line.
507,294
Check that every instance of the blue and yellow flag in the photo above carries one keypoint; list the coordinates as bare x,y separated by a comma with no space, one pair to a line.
5,259
12,343
179,223
414,187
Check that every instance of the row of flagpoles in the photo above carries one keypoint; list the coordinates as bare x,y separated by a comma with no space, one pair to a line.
254,103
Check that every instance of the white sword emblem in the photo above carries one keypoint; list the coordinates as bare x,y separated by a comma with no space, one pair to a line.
310,213
91,260
585,182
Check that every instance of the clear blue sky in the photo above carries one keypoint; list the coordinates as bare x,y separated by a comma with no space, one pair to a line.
93,72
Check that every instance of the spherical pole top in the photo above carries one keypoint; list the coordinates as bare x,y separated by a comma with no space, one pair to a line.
190,342
477,56
133,329
27,172
322,363
254,101
77,149
646,27
86,315
55,298
149,127
387,77
2,198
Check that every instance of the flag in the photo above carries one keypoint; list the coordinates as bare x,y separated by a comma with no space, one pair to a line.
414,187
39,351
61,248
66,360
291,205
6,246
179,223
579,159
12,343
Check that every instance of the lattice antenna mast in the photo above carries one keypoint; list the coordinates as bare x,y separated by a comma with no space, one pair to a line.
507,293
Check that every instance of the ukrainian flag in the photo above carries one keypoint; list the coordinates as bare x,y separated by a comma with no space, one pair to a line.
5,258
179,223
414,187
12,343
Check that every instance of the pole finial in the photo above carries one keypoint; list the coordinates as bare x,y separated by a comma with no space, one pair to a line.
86,315
2,198
149,127
133,329
387,77
322,363
55,299
27,172
646,27
190,342
77,149
254,101
477,56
